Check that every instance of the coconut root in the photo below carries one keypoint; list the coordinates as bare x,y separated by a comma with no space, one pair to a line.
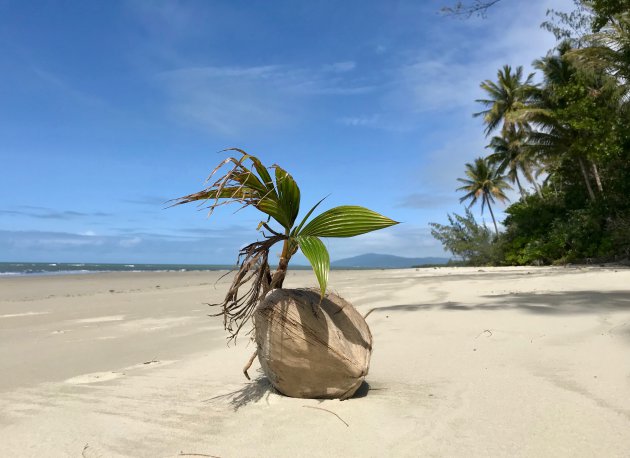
249,364
238,308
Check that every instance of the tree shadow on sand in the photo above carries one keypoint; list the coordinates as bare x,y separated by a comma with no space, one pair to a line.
552,303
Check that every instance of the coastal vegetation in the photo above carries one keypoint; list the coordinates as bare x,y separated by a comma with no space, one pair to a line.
561,137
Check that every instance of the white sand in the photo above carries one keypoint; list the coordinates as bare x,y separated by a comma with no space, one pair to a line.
467,362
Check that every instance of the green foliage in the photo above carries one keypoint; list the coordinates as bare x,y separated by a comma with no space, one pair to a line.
617,238
605,10
466,239
573,131
548,231
528,238
345,221
573,26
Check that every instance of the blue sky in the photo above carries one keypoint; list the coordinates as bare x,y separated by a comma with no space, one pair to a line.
108,109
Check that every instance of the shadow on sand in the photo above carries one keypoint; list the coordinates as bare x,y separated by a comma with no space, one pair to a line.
260,388
557,303
249,393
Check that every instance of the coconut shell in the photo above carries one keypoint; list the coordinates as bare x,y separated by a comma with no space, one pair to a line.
312,350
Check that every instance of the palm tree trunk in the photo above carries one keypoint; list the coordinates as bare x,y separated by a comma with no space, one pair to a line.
518,182
586,180
537,188
598,180
528,175
496,229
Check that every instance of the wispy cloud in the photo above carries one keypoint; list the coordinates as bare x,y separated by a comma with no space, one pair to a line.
134,247
48,213
360,121
66,88
152,201
445,77
340,67
426,200
229,100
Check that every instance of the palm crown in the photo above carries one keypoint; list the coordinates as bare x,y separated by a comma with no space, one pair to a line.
505,97
483,182
511,155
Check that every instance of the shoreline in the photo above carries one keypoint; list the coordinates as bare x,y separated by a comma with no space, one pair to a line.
132,268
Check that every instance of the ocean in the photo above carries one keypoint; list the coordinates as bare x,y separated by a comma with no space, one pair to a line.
62,268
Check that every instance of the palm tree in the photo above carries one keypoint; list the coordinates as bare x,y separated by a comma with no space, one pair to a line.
486,183
508,99
511,154
505,98
560,133
609,49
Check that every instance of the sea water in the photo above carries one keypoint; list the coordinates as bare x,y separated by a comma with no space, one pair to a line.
62,268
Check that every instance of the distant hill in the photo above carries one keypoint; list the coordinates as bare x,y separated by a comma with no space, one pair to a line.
385,261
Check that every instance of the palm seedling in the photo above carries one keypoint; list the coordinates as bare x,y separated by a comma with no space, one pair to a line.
248,182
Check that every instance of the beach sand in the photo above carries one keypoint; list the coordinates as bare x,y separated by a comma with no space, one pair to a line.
467,362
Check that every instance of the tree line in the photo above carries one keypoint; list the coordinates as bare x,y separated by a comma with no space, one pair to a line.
563,143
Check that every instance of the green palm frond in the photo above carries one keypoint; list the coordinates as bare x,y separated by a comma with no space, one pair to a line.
506,96
346,221
251,185
288,195
317,254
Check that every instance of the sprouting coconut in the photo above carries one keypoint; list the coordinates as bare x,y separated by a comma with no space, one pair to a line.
310,344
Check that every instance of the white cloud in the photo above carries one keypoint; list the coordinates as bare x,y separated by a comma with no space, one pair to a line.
130,242
425,200
68,247
230,100
340,67
360,121
51,240
445,75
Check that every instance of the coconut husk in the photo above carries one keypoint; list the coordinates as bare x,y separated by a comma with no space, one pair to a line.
309,349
